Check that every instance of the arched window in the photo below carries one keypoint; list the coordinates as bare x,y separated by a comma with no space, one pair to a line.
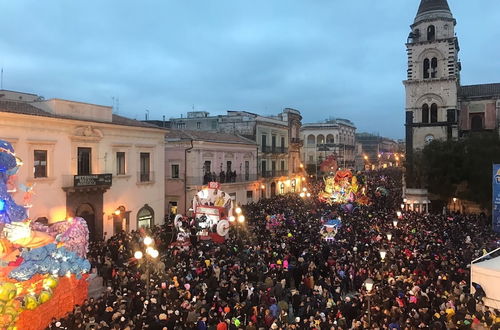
426,68
425,113
434,65
321,139
311,140
431,33
145,217
434,113
476,123
330,139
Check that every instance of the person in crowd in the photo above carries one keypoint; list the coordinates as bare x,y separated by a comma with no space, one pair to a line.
288,277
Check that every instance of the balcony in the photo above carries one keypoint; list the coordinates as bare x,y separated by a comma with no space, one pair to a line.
145,177
203,180
273,174
87,181
274,150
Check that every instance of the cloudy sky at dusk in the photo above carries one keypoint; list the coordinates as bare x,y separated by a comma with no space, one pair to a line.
327,58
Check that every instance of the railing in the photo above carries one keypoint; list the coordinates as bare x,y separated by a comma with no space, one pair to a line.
272,174
274,150
203,180
145,177
87,180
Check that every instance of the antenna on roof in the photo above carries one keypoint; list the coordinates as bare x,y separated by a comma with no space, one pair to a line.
117,104
147,114
1,79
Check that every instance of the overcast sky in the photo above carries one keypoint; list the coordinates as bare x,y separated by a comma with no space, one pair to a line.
326,58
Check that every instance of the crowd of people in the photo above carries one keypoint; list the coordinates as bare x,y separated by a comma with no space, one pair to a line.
287,277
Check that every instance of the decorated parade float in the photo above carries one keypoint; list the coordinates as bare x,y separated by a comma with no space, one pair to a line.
212,216
43,268
341,186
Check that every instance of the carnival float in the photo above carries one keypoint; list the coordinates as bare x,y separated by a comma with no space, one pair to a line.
341,186
213,213
43,267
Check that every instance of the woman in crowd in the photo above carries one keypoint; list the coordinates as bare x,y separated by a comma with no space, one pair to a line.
287,277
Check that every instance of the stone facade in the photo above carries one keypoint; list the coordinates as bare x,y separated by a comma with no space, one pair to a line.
433,78
57,144
333,137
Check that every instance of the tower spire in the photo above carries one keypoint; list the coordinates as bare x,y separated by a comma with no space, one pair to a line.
430,9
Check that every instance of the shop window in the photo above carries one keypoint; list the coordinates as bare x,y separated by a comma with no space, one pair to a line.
282,188
476,123
145,217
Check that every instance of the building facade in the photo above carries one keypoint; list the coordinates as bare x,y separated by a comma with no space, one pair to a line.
333,137
196,158
277,141
437,106
433,75
83,160
374,152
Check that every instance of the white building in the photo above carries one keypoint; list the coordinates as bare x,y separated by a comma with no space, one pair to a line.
332,137
83,160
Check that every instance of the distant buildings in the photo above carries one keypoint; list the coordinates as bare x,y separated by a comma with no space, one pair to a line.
333,137
374,151
277,142
83,160
195,158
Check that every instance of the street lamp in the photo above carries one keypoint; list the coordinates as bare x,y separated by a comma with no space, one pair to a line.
241,218
149,255
383,253
399,214
369,287
389,236
395,223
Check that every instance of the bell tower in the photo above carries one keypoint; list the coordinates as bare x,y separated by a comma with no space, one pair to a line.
433,76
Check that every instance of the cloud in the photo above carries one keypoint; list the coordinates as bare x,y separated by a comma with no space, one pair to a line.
325,58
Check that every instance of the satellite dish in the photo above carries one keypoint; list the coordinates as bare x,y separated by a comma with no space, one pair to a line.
223,227
178,221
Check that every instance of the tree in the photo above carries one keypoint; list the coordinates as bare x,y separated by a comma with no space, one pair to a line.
458,168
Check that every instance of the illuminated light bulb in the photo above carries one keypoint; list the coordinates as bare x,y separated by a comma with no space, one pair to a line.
148,240
232,218
238,210
138,255
241,218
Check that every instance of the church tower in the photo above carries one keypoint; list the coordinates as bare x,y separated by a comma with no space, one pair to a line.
433,76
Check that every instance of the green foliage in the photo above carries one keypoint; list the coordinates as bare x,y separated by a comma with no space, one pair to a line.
458,168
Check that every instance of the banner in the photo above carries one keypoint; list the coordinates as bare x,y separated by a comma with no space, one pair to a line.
495,215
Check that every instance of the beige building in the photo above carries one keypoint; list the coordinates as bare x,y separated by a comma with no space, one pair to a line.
83,160
333,137
277,141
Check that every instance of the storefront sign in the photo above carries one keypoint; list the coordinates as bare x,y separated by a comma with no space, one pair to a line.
495,215
93,180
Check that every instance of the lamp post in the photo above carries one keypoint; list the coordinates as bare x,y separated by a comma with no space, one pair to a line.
454,204
383,253
389,236
149,255
395,223
369,287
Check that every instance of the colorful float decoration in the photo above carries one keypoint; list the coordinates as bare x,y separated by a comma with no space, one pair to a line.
213,214
43,269
330,229
343,188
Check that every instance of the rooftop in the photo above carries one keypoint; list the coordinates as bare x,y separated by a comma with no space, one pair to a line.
482,90
208,137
